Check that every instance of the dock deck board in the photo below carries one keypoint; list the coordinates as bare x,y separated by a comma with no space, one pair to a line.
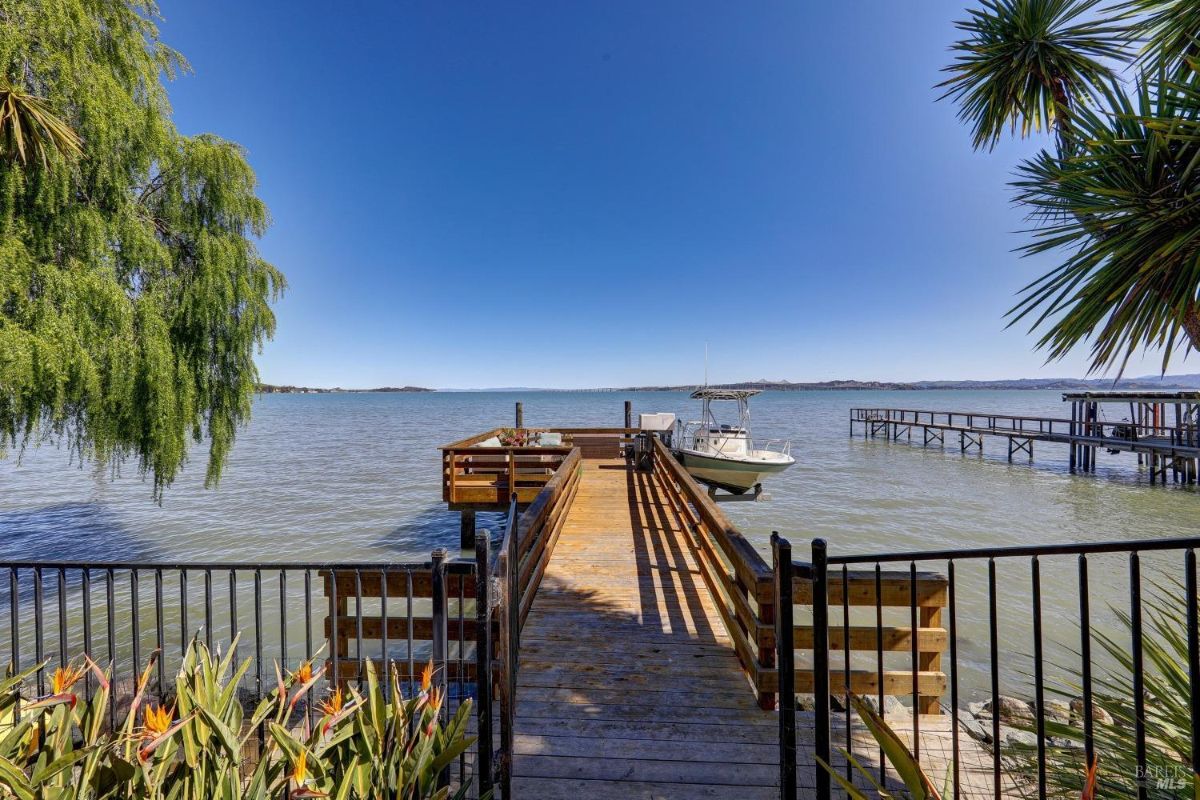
629,685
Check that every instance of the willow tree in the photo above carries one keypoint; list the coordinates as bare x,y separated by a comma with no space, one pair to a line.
1117,197
132,296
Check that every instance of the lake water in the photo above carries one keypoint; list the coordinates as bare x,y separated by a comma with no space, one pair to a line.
356,476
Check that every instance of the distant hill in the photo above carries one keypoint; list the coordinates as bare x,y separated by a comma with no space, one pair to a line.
266,388
1148,383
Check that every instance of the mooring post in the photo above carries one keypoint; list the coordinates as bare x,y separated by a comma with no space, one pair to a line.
628,414
520,415
466,530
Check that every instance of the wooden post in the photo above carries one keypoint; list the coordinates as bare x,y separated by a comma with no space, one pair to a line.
1071,446
628,413
1139,418
466,530
930,660
520,415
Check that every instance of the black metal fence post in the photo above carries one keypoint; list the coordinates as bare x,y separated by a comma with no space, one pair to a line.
510,625
440,635
438,604
781,550
483,658
820,612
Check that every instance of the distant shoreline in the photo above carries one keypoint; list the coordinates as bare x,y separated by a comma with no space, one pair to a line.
1167,383
1170,383
266,388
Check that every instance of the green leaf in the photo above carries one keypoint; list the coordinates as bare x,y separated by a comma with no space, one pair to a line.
850,789
56,767
14,780
228,739
897,753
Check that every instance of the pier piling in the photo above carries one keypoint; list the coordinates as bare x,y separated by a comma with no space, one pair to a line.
466,529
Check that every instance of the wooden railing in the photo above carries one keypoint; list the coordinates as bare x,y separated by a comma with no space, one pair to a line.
528,544
475,476
891,594
737,577
540,524
416,609
741,584
1120,430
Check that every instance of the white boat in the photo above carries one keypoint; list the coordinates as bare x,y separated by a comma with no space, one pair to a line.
725,456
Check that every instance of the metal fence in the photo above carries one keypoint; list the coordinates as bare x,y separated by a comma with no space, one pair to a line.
1004,768
337,614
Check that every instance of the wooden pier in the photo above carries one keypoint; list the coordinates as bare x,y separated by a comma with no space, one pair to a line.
630,685
1161,430
637,625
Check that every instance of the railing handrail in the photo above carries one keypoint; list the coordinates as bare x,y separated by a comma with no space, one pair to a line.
748,559
470,441
1017,551
856,414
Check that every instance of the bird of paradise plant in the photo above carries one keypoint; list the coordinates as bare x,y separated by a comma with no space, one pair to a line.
374,745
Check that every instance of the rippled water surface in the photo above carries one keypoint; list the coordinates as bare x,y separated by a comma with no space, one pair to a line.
356,476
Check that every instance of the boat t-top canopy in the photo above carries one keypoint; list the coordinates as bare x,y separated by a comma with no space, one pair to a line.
724,394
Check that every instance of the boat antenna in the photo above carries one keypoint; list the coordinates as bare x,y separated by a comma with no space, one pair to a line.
706,365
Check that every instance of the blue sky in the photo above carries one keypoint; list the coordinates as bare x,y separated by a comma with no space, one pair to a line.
472,194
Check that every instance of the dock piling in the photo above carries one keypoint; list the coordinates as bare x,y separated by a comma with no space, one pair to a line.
466,529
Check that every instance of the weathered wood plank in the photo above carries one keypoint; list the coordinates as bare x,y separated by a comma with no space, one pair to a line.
866,637
712,773
579,789
567,746
628,675
895,589
649,730
866,682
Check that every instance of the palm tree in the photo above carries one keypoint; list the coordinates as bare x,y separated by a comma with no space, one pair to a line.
1118,196
1029,64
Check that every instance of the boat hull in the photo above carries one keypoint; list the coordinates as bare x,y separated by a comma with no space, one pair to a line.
736,476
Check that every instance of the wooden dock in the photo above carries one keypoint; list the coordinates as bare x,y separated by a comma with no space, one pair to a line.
1168,448
635,639
630,686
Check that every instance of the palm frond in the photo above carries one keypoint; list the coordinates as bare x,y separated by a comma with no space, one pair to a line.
29,127
1124,207
1169,30
1028,64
